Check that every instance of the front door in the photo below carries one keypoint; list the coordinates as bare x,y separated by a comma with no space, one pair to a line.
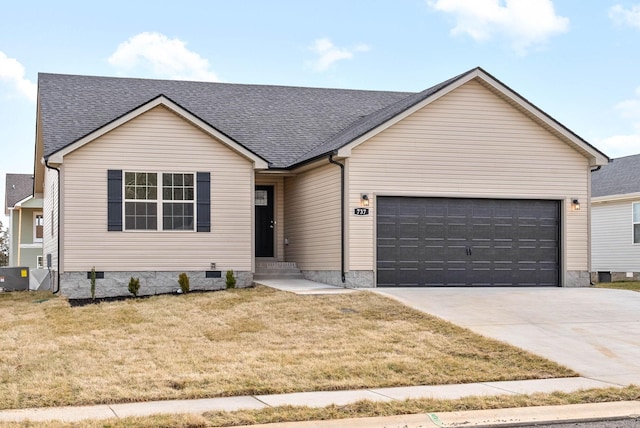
265,224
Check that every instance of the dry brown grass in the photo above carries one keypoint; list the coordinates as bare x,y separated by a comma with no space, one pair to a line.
360,409
237,342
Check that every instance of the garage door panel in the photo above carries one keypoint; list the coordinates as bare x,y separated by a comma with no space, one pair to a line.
467,242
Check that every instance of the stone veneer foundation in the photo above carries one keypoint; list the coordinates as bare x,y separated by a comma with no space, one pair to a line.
76,285
353,279
606,276
365,279
577,278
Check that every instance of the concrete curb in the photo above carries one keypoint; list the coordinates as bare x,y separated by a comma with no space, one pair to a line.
482,418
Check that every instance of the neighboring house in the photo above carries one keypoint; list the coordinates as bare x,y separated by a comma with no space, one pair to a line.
25,221
615,224
463,184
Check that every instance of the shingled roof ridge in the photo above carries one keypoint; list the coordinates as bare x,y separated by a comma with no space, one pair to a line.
207,82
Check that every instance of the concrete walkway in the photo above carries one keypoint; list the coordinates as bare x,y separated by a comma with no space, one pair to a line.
303,286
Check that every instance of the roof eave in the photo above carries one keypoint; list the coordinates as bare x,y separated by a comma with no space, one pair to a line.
595,156
161,100
615,198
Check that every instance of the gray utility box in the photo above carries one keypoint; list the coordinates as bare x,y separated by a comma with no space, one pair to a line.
14,278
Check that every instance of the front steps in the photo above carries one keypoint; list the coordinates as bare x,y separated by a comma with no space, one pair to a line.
277,270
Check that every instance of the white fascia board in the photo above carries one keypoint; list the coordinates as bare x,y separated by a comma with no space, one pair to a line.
19,203
596,158
345,151
258,162
615,198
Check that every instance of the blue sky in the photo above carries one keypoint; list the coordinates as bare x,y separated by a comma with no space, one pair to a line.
577,60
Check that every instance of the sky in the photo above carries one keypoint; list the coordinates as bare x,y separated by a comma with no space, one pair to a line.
577,60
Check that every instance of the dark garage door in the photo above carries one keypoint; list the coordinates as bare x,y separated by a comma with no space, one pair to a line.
425,242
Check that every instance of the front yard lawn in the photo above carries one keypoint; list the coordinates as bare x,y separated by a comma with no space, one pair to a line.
236,342
620,285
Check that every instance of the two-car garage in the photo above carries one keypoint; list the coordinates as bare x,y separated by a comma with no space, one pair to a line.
432,241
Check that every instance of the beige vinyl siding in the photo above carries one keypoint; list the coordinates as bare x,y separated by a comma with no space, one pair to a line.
312,218
50,213
157,141
612,247
278,188
469,143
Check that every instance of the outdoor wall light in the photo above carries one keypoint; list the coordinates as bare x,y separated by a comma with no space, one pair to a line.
575,205
364,200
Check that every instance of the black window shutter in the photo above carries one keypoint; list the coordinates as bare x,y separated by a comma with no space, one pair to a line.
203,180
114,200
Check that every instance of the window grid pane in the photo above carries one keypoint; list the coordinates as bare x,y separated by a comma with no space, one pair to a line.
177,216
142,198
141,215
140,186
177,187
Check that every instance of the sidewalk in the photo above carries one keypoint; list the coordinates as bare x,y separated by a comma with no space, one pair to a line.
326,398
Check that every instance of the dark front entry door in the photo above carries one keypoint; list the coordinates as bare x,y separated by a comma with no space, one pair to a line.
467,242
265,224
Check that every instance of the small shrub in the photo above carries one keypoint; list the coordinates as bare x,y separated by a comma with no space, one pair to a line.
230,280
183,280
92,278
134,286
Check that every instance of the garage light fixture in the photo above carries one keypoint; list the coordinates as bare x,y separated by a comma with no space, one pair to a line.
364,200
575,205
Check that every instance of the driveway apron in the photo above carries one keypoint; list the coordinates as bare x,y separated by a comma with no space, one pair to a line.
595,332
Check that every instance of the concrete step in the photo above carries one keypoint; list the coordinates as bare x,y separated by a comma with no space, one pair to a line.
275,270
259,276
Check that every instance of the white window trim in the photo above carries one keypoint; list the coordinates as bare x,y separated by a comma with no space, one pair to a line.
35,215
633,224
159,202
39,262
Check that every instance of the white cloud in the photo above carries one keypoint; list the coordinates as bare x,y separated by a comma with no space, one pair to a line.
329,54
164,57
525,22
12,71
630,109
622,16
620,145
624,145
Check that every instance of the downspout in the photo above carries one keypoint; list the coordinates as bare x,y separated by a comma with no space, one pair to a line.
342,216
597,168
46,163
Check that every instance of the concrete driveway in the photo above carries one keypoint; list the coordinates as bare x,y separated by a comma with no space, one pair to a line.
595,332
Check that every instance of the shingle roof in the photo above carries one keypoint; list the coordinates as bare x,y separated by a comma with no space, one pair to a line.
279,123
17,188
619,177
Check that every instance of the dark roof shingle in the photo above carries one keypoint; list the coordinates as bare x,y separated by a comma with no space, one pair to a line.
619,177
17,188
279,123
